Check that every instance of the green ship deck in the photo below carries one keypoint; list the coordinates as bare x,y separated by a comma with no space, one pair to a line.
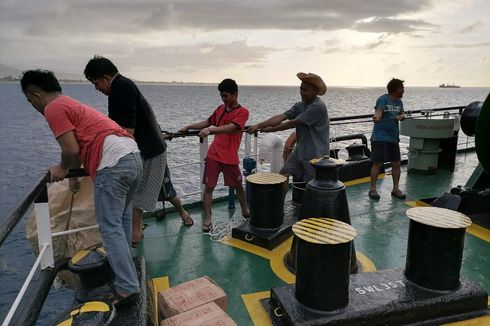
175,253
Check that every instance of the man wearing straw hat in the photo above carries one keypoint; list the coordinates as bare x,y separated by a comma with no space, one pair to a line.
310,119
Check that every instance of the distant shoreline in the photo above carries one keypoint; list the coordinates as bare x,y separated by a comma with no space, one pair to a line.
10,79
13,80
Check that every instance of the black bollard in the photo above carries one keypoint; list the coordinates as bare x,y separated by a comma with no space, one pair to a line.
324,196
266,200
435,247
92,267
93,313
323,251
356,152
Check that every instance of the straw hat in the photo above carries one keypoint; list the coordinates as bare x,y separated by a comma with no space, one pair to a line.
314,80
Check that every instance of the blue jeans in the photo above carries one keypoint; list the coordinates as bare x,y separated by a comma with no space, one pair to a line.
113,194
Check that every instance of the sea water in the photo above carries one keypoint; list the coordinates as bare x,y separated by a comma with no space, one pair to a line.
27,147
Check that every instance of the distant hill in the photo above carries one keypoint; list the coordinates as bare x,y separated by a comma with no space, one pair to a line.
10,74
16,73
9,71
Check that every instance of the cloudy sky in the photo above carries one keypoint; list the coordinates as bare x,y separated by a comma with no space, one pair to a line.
265,42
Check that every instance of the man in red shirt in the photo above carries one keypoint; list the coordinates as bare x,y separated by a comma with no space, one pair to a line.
228,121
111,157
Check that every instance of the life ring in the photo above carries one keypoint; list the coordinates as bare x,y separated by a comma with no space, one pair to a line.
289,146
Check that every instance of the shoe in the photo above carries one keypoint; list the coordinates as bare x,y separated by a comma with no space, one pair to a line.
118,300
207,227
160,215
188,221
373,194
398,194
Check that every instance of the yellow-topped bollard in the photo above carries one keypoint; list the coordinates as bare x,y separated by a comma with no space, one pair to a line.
323,253
435,247
266,200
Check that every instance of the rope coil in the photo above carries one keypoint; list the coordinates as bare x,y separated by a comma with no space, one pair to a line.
222,229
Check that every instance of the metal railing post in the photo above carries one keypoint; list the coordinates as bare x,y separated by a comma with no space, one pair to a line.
256,144
44,228
248,144
203,151
42,251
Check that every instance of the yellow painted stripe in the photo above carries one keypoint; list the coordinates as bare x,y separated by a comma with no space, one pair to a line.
479,232
437,221
326,237
366,264
277,261
440,214
362,180
79,255
155,285
94,306
255,309
439,217
331,225
325,233
266,178
446,216
256,250
315,238
447,220
325,230
417,203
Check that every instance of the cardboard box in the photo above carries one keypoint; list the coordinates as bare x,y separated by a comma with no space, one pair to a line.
189,295
206,315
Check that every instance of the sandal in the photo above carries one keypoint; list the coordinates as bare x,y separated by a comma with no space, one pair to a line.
398,194
207,227
118,300
160,215
373,194
188,221
134,244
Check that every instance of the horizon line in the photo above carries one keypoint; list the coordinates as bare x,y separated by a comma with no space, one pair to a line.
196,83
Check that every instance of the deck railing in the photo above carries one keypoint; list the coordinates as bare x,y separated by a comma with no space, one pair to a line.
38,195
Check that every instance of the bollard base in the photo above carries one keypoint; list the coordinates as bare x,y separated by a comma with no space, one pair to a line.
383,298
268,238
135,313
356,170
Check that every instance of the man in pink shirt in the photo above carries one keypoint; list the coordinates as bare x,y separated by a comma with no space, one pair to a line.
110,156
228,121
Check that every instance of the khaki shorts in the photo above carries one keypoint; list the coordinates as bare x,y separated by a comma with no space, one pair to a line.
301,170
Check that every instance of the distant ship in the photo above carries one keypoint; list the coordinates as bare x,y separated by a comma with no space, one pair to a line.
449,86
